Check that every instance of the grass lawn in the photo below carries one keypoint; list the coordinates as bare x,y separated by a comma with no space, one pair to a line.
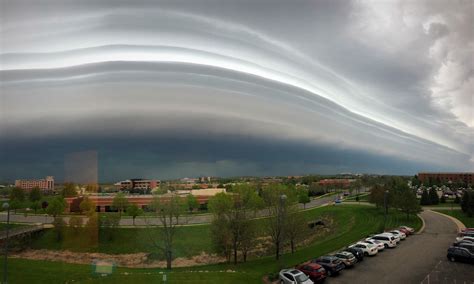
458,214
353,223
363,197
3,226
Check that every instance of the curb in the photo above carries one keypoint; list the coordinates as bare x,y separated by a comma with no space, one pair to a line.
422,224
458,223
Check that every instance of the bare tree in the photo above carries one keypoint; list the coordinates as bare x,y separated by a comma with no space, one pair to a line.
168,213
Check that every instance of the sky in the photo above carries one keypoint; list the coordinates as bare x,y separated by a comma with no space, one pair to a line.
169,89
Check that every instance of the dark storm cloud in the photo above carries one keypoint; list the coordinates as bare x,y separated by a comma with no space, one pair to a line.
388,81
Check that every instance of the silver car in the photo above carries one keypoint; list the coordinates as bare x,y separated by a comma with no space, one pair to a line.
293,276
347,258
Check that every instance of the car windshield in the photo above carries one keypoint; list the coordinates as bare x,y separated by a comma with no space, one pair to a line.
300,278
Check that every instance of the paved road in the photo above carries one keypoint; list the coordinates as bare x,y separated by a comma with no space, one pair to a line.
191,220
419,259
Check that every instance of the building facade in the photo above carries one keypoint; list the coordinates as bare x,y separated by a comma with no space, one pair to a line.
46,184
467,178
344,183
136,183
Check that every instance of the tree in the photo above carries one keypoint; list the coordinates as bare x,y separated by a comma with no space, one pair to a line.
434,198
192,202
56,206
442,199
120,202
18,194
35,205
457,200
377,195
35,194
15,204
168,212
87,206
295,226
69,190
75,222
405,200
134,211
303,198
107,224
425,198
467,202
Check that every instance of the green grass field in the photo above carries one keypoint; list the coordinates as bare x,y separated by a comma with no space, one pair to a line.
353,223
458,214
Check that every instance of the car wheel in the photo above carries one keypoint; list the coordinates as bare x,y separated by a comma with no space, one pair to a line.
329,273
366,253
452,259
385,245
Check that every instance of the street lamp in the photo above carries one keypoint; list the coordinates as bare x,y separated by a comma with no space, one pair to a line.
5,278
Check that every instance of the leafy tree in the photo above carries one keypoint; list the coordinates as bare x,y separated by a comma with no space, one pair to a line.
457,200
35,194
168,212
15,204
192,202
56,206
303,198
377,195
295,226
467,202
87,206
442,199
425,198
18,194
134,211
434,198
35,205
107,224
120,202
69,190
405,200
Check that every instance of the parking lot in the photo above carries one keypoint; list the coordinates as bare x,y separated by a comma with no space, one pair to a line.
419,259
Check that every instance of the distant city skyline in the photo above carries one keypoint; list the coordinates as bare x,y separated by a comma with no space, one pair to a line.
170,89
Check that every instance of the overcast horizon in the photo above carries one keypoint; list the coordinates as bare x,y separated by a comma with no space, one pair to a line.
172,89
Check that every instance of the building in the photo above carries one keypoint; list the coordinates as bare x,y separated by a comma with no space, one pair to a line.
46,184
338,182
426,178
137,183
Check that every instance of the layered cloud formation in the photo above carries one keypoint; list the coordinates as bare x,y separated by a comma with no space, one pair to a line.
236,88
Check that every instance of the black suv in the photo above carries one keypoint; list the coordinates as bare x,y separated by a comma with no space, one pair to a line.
460,254
357,252
332,264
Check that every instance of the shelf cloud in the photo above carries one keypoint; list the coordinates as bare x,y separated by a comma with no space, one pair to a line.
167,89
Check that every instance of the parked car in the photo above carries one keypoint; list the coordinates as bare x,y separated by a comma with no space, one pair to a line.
468,245
293,276
388,241
409,229
406,232
398,233
468,230
332,264
380,245
465,239
368,249
315,271
466,234
347,258
460,254
396,237
357,252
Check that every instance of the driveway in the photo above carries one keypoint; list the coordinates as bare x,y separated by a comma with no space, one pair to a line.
419,259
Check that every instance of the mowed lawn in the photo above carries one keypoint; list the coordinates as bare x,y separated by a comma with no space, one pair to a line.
461,216
353,223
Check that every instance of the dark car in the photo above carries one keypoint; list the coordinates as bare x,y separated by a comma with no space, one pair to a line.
332,264
315,271
467,245
358,253
460,254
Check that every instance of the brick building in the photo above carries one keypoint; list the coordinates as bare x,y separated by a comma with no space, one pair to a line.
467,178
137,183
46,184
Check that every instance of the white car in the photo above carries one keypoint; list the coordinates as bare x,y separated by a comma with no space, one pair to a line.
380,245
397,238
294,276
368,249
409,229
388,241
465,239
400,234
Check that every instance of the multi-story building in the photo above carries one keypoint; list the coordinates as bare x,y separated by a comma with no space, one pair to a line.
338,182
46,184
467,178
137,183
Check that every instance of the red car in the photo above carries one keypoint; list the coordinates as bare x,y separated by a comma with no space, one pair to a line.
404,231
315,271
467,230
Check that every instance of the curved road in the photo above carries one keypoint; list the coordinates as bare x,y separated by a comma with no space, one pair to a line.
420,258
140,221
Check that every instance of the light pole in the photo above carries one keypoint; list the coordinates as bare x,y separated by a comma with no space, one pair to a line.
385,208
5,278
